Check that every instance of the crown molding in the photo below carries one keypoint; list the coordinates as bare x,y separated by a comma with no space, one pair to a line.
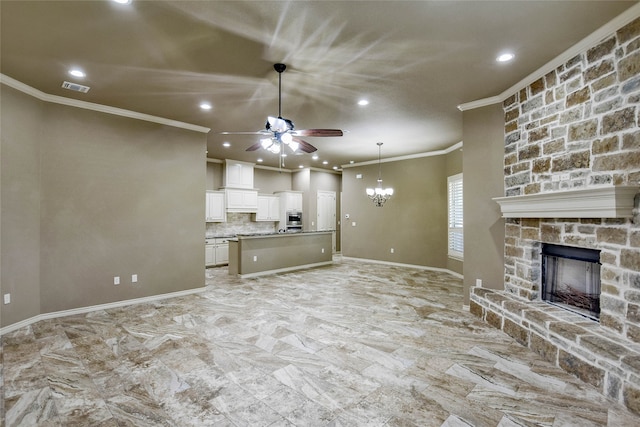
592,39
15,84
275,169
454,147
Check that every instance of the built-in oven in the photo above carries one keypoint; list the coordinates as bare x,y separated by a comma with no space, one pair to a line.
294,220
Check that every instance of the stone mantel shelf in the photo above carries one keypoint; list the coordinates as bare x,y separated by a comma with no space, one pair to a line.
593,202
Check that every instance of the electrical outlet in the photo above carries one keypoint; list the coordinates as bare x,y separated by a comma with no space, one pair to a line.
478,283
116,280
392,250
322,250
134,278
255,258
7,298
353,224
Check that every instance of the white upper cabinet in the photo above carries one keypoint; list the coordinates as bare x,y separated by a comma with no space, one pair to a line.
238,174
239,200
215,207
268,208
290,201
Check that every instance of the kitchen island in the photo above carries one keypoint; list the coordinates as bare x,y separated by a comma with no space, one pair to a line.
258,254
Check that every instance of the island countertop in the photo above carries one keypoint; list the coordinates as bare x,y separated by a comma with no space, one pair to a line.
276,234
258,254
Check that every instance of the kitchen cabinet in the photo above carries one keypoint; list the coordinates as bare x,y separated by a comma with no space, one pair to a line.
209,253
239,200
290,201
216,251
215,207
222,251
238,174
268,208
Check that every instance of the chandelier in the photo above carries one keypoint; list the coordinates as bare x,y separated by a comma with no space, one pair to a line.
379,195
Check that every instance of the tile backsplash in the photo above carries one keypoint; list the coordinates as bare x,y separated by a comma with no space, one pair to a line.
239,223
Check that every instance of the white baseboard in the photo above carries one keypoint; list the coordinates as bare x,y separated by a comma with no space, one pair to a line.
397,264
83,310
283,270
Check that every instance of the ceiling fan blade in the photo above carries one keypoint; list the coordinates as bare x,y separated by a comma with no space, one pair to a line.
318,132
305,146
254,147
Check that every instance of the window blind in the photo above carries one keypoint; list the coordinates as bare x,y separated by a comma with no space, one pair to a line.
456,235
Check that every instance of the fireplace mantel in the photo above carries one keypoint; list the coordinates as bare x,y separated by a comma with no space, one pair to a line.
594,202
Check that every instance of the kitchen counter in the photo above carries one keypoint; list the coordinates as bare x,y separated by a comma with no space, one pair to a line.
258,254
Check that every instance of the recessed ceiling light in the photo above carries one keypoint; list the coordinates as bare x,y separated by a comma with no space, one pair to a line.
122,1
259,160
363,102
205,106
76,72
351,162
300,166
505,57
226,144
335,168
325,162
314,157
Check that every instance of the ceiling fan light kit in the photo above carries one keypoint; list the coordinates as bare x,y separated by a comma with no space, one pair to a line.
379,195
281,132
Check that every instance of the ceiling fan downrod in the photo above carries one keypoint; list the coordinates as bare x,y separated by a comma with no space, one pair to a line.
280,69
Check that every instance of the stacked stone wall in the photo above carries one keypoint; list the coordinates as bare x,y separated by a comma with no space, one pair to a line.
577,127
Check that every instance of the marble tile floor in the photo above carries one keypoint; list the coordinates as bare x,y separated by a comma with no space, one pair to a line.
352,344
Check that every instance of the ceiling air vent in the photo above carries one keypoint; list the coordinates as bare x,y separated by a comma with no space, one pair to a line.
75,87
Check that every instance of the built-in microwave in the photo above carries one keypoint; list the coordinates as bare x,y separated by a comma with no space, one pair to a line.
294,219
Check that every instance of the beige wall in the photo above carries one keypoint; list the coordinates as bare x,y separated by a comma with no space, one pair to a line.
116,197
214,175
483,155
20,204
413,222
269,181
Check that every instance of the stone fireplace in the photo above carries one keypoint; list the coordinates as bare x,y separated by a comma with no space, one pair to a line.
572,178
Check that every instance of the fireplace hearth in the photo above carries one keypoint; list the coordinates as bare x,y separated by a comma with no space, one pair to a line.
571,279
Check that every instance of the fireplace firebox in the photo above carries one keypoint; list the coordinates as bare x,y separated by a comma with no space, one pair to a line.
571,279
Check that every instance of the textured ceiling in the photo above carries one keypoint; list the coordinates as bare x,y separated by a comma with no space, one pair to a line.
414,61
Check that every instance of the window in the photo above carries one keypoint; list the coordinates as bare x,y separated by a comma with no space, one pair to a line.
456,235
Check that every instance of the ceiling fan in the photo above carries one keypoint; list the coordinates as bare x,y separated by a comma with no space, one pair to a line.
280,132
